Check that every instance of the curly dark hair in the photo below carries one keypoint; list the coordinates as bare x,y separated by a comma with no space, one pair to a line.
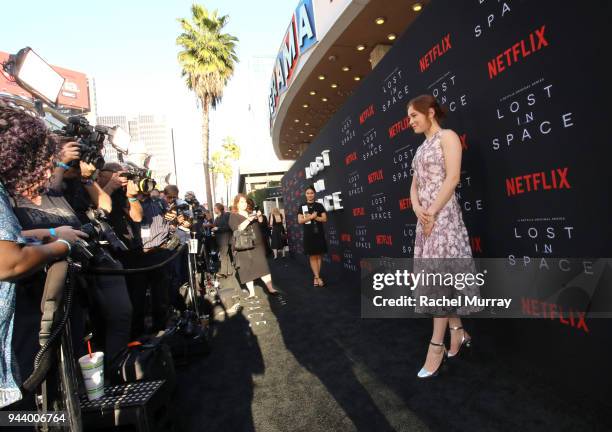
27,148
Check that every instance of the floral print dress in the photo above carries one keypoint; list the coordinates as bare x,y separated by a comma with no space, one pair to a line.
447,249
10,230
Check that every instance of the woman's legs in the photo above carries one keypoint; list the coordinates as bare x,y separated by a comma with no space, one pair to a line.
314,266
251,288
319,263
456,336
268,281
436,353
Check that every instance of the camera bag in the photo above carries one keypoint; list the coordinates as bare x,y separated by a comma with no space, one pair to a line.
146,360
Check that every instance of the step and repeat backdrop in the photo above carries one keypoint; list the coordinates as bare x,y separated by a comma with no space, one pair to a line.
528,94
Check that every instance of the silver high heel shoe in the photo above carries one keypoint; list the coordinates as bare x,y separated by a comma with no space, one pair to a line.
424,373
467,342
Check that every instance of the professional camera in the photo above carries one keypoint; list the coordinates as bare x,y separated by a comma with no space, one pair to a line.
101,237
90,139
184,210
140,176
192,200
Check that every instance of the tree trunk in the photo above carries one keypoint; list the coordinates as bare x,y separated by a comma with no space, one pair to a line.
214,185
206,150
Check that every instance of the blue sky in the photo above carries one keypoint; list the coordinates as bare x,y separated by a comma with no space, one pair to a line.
129,48
106,37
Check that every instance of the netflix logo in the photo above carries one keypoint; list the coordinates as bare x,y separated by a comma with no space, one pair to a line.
544,180
345,237
569,317
534,42
383,239
437,51
405,204
398,127
336,258
375,176
366,114
463,139
475,243
359,211
350,158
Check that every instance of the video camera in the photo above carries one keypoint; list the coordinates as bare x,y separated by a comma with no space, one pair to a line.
140,176
90,139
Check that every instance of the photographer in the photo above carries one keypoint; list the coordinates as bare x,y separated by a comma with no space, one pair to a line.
27,150
178,212
126,211
74,179
180,215
158,245
111,309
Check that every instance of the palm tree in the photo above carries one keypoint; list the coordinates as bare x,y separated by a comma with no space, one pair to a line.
207,60
232,154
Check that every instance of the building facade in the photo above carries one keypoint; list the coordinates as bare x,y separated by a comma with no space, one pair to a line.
150,135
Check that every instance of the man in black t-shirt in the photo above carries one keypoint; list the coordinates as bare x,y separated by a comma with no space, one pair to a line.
74,178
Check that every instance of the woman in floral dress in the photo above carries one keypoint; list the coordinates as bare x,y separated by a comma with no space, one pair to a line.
441,234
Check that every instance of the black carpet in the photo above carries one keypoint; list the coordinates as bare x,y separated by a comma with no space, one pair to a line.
308,362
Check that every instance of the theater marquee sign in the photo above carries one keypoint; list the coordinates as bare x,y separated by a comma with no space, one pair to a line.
300,36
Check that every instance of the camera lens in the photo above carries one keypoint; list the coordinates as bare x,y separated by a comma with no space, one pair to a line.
146,185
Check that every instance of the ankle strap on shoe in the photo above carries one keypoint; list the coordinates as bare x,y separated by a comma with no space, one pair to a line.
436,344
456,328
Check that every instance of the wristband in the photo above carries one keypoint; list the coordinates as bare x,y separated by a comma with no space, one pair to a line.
52,232
132,199
87,182
66,243
62,165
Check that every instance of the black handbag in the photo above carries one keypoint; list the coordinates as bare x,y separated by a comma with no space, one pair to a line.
148,360
244,239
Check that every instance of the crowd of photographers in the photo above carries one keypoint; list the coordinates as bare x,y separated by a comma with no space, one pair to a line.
54,200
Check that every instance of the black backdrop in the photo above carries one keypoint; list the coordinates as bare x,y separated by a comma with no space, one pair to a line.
527,92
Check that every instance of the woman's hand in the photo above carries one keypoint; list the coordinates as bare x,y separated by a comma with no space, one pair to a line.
70,152
131,189
70,234
115,182
428,228
422,215
87,169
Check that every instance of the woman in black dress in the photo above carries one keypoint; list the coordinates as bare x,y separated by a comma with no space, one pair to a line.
279,236
252,263
312,215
